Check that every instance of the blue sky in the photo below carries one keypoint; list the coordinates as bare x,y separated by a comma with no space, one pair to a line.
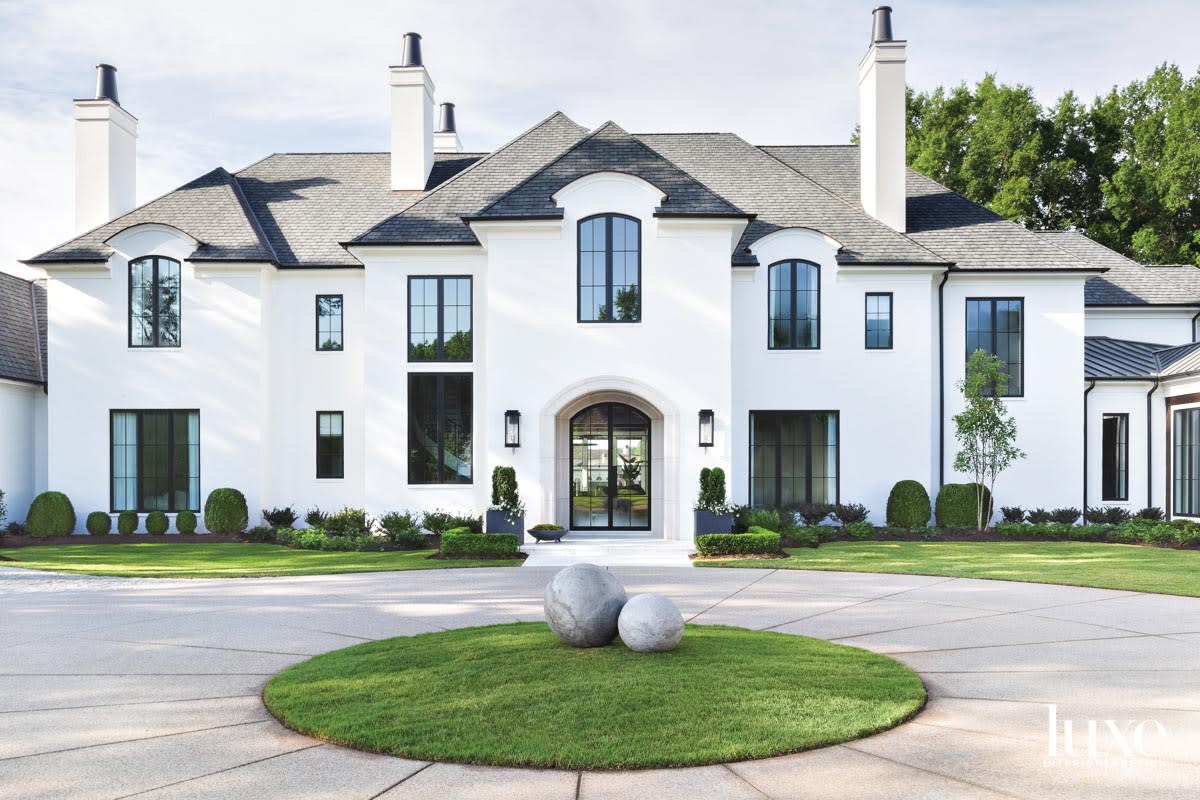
224,83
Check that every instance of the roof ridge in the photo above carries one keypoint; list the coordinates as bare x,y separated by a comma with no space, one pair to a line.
252,218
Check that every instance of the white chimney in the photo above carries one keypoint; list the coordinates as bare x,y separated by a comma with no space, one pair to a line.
445,139
881,124
105,155
412,119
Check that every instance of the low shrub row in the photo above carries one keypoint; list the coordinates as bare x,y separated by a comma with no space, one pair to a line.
755,541
316,539
1135,530
462,542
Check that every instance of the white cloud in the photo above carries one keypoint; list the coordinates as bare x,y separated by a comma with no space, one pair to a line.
225,82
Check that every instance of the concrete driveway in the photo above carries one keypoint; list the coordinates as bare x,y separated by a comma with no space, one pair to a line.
115,688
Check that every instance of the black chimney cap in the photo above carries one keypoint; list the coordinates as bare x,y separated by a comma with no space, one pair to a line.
446,119
412,51
882,31
106,83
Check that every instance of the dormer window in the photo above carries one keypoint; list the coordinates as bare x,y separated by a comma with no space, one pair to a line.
794,306
154,302
610,269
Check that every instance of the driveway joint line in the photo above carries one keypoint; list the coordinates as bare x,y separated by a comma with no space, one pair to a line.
136,739
744,779
130,703
935,773
221,771
414,773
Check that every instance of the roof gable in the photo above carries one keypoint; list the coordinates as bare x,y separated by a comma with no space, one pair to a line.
22,329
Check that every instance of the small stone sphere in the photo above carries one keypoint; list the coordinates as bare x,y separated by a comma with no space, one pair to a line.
582,605
650,623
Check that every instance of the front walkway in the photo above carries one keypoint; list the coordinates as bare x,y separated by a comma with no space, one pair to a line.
115,687
609,550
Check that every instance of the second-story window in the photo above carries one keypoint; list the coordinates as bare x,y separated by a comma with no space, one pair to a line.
794,306
879,321
329,322
154,302
996,325
439,318
610,269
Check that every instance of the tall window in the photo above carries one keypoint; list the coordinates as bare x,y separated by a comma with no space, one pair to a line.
793,458
1114,473
1186,464
610,269
331,445
879,320
997,326
794,306
154,301
439,428
329,322
155,460
439,319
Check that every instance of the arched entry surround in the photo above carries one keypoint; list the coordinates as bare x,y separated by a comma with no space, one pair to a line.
555,457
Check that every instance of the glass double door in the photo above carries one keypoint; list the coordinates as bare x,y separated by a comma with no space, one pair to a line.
610,468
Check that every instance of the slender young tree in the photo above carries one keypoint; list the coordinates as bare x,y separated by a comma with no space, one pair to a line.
985,430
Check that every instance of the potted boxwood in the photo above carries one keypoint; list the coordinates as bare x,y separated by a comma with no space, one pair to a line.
507,513
713,514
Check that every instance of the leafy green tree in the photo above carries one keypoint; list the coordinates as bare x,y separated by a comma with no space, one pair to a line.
985,430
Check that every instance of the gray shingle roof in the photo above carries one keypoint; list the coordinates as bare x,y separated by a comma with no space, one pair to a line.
781,197
1128,282
1107,358
22,329
609,148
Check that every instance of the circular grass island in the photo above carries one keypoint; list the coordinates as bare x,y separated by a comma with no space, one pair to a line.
513,695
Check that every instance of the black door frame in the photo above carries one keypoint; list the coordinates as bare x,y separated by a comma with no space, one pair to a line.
612,470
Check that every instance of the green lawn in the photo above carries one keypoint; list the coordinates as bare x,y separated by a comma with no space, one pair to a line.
219,560
514,695
1106,566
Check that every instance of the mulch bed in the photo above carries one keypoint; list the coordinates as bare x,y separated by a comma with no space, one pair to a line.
10,540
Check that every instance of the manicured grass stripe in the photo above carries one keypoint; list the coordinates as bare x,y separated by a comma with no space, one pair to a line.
514,695
1104,566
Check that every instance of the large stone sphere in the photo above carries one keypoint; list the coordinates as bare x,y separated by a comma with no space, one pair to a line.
650,623
582,605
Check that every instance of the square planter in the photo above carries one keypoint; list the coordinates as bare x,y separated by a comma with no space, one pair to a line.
708,522
497,522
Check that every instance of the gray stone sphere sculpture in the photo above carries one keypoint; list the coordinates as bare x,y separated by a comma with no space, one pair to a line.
583,602
650,623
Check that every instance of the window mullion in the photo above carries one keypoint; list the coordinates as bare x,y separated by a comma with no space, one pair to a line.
808,451
154,300
608,272
141,471
441,325
794,327
170,460
778,419
439,399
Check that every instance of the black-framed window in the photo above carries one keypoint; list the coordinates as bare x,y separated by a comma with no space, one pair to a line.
439,318
154,302
794,458
794,306
329,322
331,444
1114,457
996,325
1186,462
610,269
440,427
155,460
879,320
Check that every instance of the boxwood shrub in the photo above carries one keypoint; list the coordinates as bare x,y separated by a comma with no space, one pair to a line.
185,522
956,505
460,542
804,535
755,540
316,539
225,511
860,530
908,505
99,523
157,523
51,514
127,522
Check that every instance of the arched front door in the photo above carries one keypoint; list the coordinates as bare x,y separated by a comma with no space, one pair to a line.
610,468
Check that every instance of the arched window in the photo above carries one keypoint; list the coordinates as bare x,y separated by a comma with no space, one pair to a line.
794,306
610,269
154,301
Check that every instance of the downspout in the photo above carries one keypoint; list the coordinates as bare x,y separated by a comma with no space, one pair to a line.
1091,386
1150,448
942,383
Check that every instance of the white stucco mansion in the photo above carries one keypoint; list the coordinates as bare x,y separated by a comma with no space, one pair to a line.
607,312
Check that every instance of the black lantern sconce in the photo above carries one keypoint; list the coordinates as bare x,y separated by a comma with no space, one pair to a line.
512,428
706,428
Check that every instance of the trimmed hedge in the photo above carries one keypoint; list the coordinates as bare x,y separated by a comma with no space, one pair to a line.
157,523
99,523
225,511
185,522
127,522
316,539
51,514
956,505
908,505
1176,532
755,540
461,542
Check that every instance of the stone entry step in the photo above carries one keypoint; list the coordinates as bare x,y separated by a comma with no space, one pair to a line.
620,550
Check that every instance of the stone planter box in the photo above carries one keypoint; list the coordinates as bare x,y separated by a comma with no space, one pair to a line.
708,522
497,522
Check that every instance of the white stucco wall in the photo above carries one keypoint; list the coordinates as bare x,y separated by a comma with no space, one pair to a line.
22,430
1142,324
1126,398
